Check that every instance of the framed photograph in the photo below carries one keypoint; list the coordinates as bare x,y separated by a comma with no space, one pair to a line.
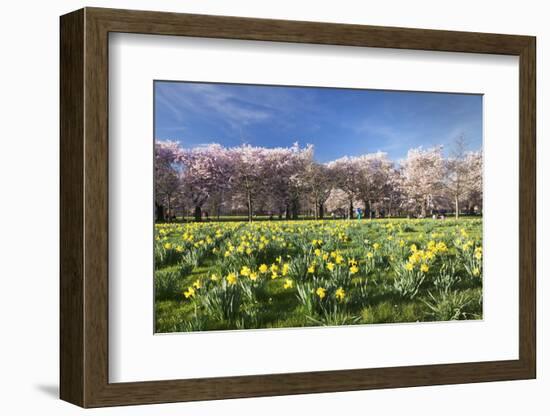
255,207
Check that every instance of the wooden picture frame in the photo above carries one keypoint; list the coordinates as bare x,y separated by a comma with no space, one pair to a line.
84,207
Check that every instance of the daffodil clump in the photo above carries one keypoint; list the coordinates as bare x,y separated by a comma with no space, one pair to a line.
226,275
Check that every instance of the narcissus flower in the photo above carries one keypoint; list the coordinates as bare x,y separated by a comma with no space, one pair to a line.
353,269
321,292
231,278
288,284
424,268
340,294
285,269
189,293
263,268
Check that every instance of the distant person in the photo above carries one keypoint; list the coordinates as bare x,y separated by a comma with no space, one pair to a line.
359,213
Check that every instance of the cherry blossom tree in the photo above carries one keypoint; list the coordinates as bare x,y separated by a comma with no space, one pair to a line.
347,176
206,172
374,170
394,190
289,181
423,172
285,168
474,178
318,183
463,174
249,178
167,176
338,202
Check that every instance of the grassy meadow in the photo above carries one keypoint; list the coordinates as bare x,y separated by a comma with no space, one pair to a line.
279,274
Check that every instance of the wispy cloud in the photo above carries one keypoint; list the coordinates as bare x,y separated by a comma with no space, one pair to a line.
183,99
336,121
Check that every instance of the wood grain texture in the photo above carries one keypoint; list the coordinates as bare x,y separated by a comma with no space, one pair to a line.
84,207
71,208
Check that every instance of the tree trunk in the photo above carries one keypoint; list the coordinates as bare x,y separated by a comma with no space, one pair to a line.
456,207
295,209
287,211
321,210
249,202
198,213
159,212
350,209
423,208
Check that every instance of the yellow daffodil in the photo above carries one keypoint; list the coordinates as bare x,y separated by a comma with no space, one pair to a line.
288,284
231,279
340,294
189,293
286,267
321,292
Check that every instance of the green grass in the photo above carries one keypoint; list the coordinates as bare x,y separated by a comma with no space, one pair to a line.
371,295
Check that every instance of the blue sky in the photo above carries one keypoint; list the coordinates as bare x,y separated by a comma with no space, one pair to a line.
338,122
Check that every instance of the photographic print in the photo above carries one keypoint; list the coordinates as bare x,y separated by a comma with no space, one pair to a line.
291,206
